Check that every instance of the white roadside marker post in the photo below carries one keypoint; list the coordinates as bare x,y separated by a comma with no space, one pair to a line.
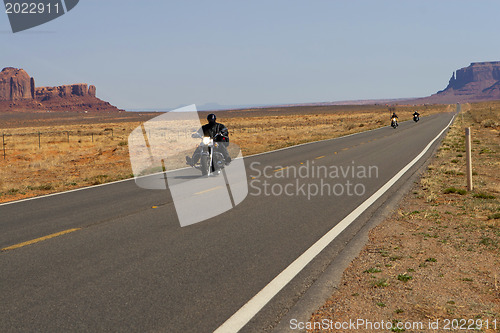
469,158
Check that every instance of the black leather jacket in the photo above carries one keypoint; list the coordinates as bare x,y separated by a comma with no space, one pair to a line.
213,129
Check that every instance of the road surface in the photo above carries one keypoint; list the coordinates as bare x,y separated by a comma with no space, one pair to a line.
126,266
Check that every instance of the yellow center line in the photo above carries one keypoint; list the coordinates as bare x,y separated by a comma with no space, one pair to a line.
209,190
36,240
317,158
335,153
345,148
280,169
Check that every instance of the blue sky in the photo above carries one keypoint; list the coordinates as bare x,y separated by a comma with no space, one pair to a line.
162,54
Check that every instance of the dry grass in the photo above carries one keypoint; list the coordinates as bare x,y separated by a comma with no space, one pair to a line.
57,165
439,253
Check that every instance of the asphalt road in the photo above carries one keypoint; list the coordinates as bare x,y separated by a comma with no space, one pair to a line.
132,268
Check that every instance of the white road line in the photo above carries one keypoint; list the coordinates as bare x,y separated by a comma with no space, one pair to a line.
88,187
59,193
253,306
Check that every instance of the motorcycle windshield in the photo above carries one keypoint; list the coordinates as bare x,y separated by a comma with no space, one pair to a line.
162,143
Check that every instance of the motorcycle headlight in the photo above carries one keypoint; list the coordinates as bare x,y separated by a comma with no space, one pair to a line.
206,140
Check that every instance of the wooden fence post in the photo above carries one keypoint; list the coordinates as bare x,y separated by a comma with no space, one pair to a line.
469,158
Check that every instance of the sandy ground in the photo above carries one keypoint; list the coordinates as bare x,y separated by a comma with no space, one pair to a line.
434,265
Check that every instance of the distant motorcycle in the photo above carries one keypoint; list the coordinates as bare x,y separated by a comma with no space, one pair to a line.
211,161
416,118
394,122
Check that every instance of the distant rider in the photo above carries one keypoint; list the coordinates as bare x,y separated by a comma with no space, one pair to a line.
394,115
216,131
416,114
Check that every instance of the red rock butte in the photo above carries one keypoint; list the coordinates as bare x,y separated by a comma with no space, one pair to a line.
480,81
18,93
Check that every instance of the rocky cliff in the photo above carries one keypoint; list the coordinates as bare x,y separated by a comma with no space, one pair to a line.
478,82
66,91
18,93
16,84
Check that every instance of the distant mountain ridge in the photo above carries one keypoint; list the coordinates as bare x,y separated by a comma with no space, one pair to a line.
218,107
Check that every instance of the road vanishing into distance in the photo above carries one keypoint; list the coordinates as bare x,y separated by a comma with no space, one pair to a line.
124,264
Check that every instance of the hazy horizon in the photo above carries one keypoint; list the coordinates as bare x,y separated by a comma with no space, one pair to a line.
220,107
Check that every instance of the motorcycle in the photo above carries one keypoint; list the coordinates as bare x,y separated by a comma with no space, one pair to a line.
416,118
211,161
394,122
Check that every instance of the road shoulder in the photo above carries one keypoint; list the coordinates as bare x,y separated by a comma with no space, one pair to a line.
435,259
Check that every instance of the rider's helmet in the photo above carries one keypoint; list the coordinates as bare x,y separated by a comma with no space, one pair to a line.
211,118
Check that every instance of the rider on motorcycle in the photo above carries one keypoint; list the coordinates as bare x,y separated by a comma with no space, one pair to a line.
416,114
394,116
216,131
